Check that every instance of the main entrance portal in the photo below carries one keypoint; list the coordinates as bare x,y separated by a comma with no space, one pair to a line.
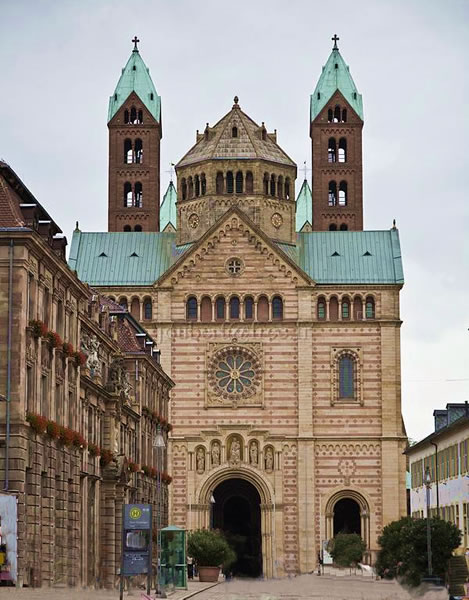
347,517
236,511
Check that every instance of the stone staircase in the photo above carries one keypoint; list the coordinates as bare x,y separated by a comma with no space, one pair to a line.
457,575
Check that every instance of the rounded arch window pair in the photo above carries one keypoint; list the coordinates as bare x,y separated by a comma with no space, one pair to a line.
349,309
337,115
234,306
340,198
337,152
342,227
133,116
133,195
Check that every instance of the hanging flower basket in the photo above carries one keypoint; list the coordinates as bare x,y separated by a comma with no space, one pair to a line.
38,423
54,340
66,436
153,472
133,467
53,430
68,349
106,457
80,359
166,478
146,470
94,450
79,441
39,328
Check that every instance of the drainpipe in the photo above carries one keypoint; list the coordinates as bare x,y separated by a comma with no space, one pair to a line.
437,477
8,390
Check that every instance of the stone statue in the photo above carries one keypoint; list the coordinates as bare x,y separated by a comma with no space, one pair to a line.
253,453
90,346
215,454
269,459
235,452
200,458
119,382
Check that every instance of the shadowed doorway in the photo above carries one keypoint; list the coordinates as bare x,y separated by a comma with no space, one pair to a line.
347,517
236,511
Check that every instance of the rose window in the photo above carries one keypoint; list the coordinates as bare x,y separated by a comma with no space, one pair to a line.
234,372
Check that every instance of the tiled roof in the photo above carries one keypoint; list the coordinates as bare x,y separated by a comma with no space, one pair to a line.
304,206
168,207
126,337
10,213
250,142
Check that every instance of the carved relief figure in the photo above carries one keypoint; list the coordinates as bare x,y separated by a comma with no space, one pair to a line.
90,346
235,452
253,453
200,458
119,382
215,454
269,459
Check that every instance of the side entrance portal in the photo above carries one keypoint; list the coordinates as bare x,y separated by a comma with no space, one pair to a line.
237,512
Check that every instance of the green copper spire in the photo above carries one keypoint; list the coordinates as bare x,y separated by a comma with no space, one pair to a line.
168,208
135,78
304,207
335,76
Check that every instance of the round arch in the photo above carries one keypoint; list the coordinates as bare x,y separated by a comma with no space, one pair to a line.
364,507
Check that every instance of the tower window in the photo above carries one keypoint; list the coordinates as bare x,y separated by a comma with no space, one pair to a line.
219,183
280,186
266,184
128,200
203,184
138,151
277,308
229,182
184,188
345,308
191,308
336,114
249,183
126,116
321,309
138,194
346,377
220,308
332,227
234,132
151,96
272,185
128,153
147,309
133,115
344,227
138,228
287,188
239,182
354,95
197,185
234,308
332,193
190,188
127,228
342,150
330,115
248,307
370,308
343,193
332,150
319,95
344,115
336,66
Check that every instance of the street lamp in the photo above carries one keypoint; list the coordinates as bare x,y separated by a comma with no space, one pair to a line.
428,483
159,445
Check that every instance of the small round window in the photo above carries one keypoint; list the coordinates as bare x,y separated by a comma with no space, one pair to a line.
234,266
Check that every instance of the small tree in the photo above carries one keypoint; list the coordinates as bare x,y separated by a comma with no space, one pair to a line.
347,549
404,549
209,548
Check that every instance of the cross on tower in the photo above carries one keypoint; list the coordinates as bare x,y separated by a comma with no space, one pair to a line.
135,41
171,171
335,39
305,170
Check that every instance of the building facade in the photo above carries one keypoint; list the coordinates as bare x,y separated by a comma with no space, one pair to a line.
283,338
84,393
445,453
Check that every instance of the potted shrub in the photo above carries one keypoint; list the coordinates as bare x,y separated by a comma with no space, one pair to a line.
210,550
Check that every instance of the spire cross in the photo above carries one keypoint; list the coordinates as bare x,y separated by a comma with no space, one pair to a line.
171,171
305,169
135,41
335,39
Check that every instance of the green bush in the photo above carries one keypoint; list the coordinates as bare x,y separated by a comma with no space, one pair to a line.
347,549
209,548
404,549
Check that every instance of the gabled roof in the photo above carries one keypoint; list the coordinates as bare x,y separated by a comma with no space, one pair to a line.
118,258
168,207
304,206
136,78
251,142
335,76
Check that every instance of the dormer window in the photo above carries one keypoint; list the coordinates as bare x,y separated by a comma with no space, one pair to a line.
234,132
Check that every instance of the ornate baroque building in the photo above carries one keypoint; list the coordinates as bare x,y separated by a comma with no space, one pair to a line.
83,393
278,321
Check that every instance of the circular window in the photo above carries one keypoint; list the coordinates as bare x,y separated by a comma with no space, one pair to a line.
194,221
234,371
234,266
277,220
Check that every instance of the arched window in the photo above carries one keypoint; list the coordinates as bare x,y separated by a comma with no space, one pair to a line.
343,193
147,309
277,308
140,117
138,151
219,183
321,309
128,200
332,150
357,308
280,188
344,115
346,377
239,182
272,185
330,115
127,228
266,184
370,307
133,115
220,308
249,183
332,193
263,309
191,308
123,302
190,188
197,185
135,308
126,117
229,182
342,150
248,308
138,228
206,310
287,188
333,309
344,227
234,307
336,114
128,154
345,309
203,184
332,227
138,195
184,188
234,132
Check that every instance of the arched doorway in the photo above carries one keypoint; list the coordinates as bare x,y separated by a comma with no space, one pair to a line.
237,512
347,516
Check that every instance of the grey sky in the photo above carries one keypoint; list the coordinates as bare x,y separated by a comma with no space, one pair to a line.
61,61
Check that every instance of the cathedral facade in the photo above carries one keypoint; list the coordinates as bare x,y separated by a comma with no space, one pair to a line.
277,319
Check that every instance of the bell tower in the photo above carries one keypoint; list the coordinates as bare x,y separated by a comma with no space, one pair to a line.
336,123
134,123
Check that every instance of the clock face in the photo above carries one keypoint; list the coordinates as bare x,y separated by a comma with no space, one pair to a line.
277,220
194,221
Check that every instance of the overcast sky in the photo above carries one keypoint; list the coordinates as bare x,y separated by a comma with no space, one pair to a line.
409,58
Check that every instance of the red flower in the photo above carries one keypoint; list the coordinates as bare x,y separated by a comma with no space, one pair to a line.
66,436
80,358
106,457
133,467
94,450
68,349
146,470
78,440
39,328
166,478
38,423
153,472
53,430
54,339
